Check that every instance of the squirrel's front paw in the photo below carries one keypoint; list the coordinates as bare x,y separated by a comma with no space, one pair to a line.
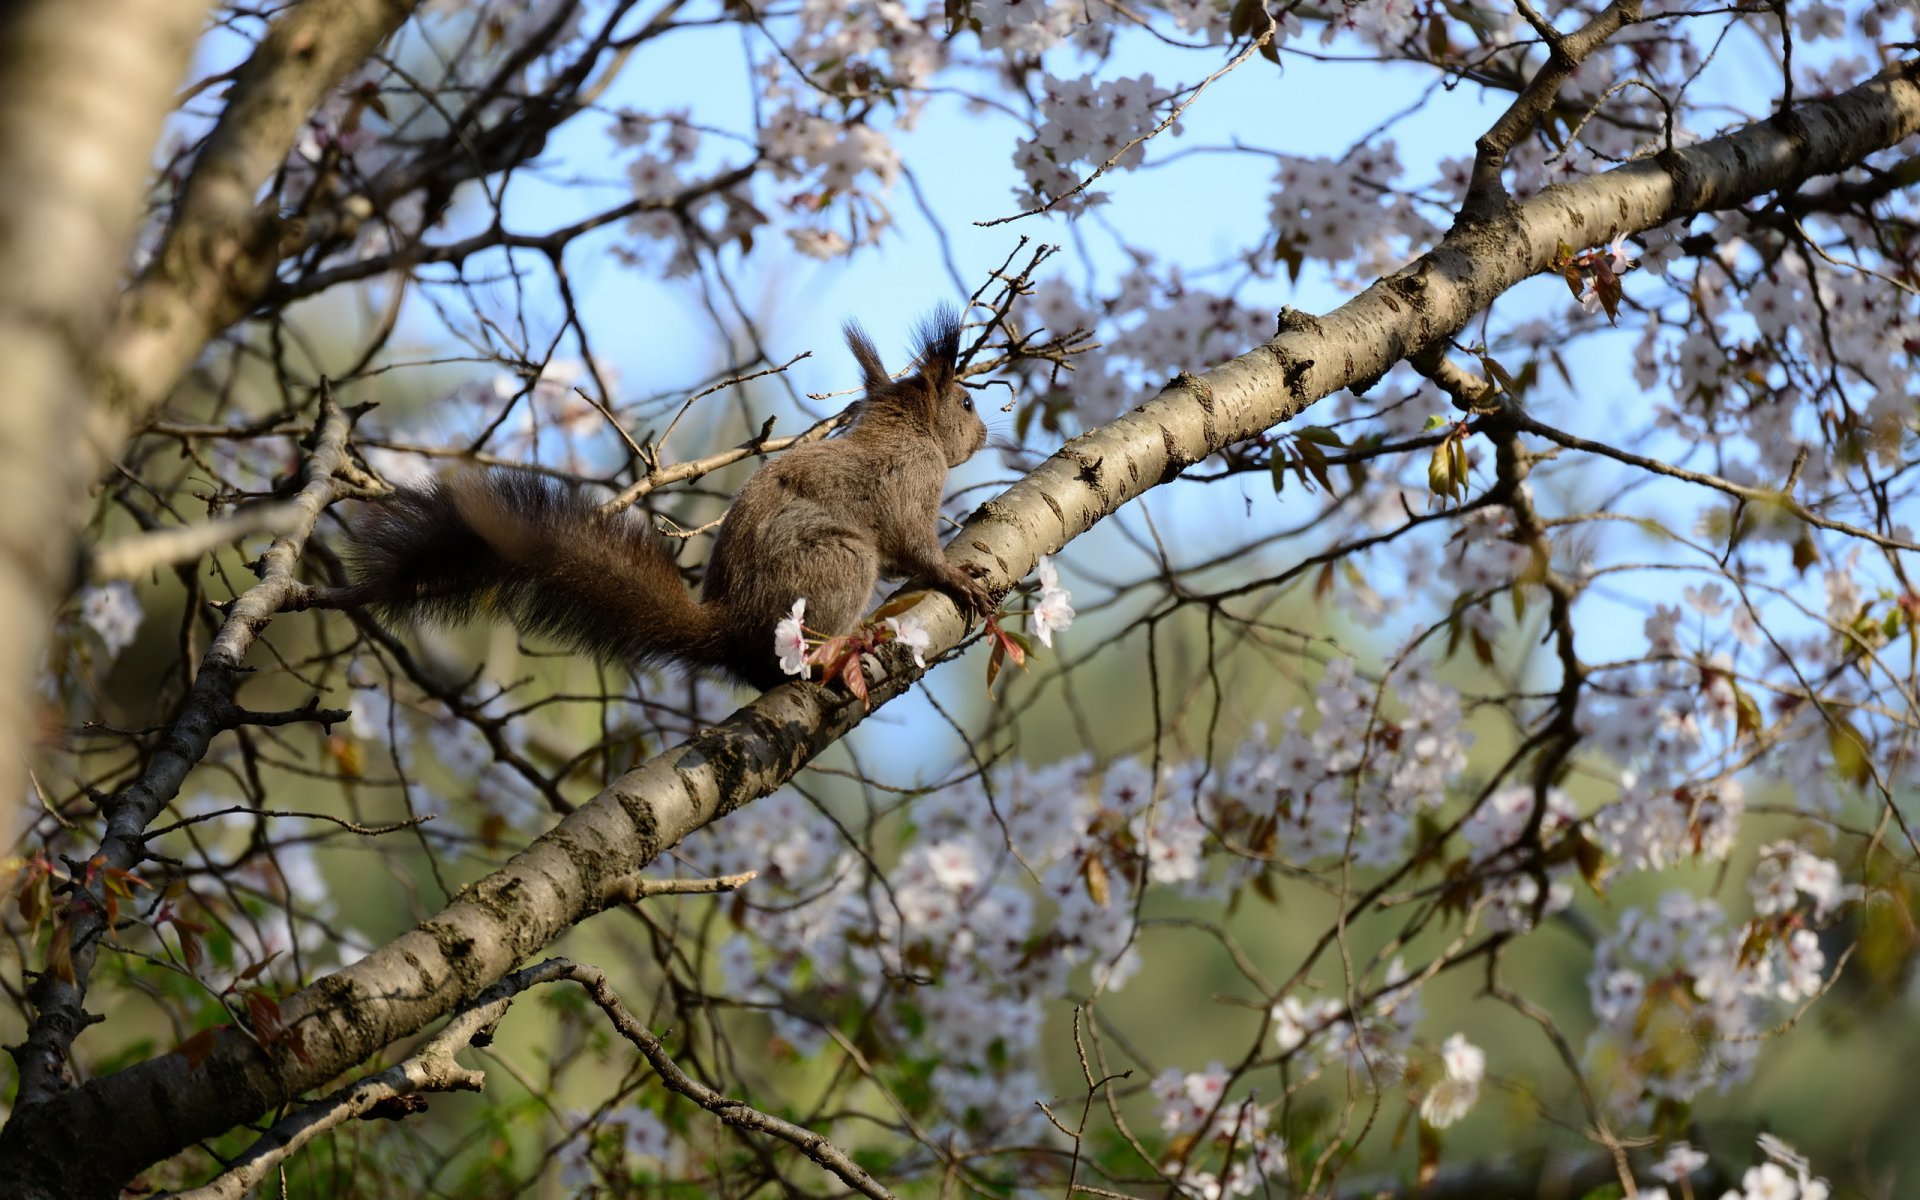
969,591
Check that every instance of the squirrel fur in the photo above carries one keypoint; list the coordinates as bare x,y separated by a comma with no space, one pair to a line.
822,521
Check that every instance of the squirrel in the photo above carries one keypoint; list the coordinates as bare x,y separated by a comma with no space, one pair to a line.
821,522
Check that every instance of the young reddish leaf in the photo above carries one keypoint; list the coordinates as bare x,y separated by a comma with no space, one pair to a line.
1007,647
1016,645
196,1048
258,967
191,948
123,881
263,1015
855,678
1606,285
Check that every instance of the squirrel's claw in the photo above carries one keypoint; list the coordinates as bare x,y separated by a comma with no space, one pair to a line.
974,598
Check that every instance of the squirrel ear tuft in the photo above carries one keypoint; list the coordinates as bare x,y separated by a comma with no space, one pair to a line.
873,373
939,336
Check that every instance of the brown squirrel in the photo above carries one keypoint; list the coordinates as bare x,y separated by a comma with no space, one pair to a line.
822,521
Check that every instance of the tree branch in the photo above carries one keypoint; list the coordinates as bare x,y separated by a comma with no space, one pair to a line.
219,254
58,996
84,88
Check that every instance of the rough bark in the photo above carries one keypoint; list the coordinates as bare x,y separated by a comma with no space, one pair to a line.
84,85
160,1106
219,253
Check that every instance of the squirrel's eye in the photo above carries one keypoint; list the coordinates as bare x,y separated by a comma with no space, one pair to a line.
966,402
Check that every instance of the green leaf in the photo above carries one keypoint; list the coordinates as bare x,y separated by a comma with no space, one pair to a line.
1849,749
1746,714
1314,459
1440,471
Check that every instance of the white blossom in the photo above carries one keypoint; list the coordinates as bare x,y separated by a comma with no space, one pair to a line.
790,640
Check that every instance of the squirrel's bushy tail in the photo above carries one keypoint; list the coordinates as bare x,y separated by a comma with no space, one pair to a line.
540,553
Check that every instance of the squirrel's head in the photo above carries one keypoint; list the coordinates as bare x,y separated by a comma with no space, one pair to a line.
932,400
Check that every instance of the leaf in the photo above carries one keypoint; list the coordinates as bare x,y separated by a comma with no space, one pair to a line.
1436,421
347,755
1429,1156
1314,459
263,1014
898,604
1849,749
191,947
854,677
1805,551
1279,467
1321,435
196,1048
1094,871
1606,287
1240,20
60,952
1498,374
1482,648
1266,889
1437,43
1014,644
1591,860
258,967
35,896
1440,471
1746,713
